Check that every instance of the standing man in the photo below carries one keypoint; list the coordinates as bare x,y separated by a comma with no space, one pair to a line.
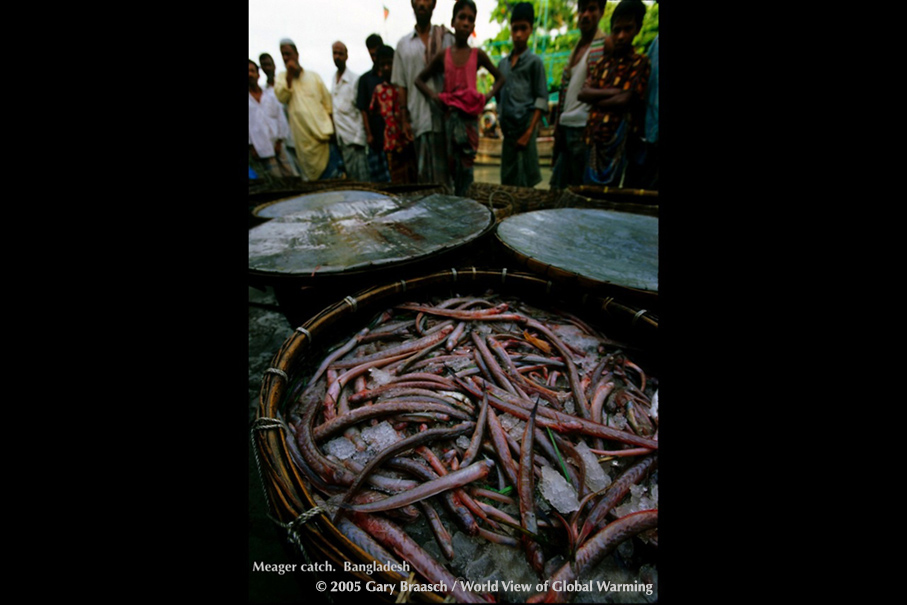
422,121
309,108
267,154
266,62
347,119
521,103
569,155
372,122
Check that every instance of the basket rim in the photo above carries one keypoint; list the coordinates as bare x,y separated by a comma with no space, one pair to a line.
624,191
633,201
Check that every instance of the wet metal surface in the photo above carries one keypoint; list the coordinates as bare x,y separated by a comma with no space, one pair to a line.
610,247
355,230
314,201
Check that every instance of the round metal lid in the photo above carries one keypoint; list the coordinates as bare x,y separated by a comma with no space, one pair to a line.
603,246
313,201
349,231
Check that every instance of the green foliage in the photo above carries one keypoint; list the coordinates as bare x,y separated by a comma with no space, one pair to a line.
555,34
560,12
551,17
484,82
648,31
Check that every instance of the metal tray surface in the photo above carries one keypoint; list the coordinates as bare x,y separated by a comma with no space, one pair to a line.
314,201
361,231
601,245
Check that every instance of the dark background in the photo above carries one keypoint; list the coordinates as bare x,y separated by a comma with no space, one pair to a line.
728,150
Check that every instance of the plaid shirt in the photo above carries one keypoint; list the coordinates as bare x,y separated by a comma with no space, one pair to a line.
630,72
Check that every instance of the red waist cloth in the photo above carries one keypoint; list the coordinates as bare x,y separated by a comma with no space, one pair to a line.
469,101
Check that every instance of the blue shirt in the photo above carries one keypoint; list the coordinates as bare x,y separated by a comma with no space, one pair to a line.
651,132
525,90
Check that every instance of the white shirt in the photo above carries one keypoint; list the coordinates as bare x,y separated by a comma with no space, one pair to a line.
262,129
576,113
284,124
347,119
274,109
409,61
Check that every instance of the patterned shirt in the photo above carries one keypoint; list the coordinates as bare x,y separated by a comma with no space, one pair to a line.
385,100
630,72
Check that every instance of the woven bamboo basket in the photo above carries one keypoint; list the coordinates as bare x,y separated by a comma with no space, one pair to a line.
520,199
288,494
637,201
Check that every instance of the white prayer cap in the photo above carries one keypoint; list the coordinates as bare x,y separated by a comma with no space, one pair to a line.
287,41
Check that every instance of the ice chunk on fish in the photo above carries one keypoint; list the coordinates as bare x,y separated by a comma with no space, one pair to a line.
596,477
340,447
380,377
557,491
380,436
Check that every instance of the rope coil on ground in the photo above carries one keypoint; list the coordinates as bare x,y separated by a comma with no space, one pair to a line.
294,526
263,424
302,519
279,372
293,529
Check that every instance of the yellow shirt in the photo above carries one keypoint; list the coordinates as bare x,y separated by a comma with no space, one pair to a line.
309,108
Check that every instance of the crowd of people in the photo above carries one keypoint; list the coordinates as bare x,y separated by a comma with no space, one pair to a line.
414,117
